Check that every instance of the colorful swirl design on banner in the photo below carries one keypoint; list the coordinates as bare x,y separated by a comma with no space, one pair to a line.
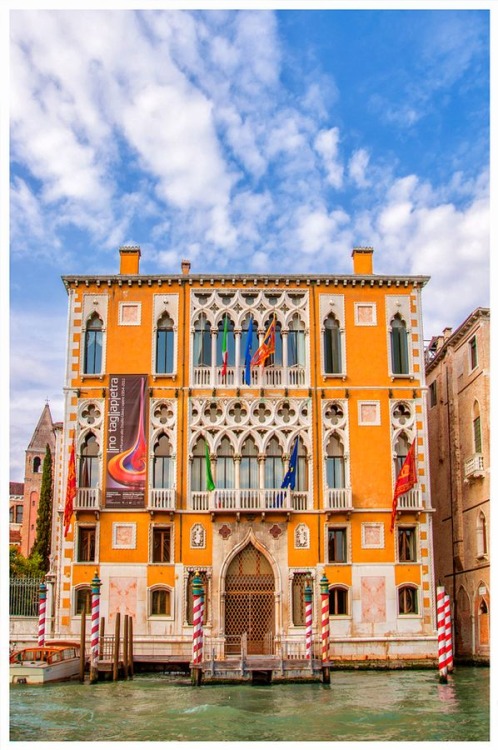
129,467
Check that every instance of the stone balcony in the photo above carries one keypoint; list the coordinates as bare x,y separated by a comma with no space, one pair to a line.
250,500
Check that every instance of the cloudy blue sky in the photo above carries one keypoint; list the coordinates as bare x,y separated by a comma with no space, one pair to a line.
256,140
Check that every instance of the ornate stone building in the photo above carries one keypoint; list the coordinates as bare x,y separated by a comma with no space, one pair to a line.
457,375
160,399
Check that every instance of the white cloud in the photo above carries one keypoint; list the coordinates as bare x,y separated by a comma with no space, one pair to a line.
327,146
357,167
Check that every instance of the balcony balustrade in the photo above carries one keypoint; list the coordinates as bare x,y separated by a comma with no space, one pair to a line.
270,376
87,498
411,500
250,500
474,466
160,498
339,499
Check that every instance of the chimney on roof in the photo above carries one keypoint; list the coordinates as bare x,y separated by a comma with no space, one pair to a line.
363,260
447,333
185,267
130,260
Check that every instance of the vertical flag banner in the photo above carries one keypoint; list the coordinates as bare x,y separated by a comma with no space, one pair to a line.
210,485
70,488
126,442
248,352
407,478
224,348
290,477
267,347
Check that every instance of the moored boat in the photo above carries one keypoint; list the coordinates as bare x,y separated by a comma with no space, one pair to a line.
37,665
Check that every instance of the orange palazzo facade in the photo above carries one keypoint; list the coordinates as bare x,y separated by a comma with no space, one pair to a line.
152,410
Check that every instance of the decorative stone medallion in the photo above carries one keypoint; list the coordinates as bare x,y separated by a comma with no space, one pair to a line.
225,531
275,531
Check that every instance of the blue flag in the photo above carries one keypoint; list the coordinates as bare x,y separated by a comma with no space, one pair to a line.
290,477
247,356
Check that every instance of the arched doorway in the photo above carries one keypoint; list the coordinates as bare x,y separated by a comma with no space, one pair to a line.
250,602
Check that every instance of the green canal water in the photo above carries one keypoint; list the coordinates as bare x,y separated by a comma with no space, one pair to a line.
403,705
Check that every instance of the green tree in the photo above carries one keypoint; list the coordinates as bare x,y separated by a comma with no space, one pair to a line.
44,519
25,567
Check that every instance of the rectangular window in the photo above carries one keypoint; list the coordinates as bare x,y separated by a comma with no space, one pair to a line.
161,544
83,600
164,350
433,394
11,515
337,545
19,513
407,544
477,435
338,601
473,352
86,543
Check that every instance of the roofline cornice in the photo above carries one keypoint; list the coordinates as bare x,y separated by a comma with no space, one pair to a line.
459,334
248,279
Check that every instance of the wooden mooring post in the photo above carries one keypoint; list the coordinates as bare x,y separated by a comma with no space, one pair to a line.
117,629
125,646
82,644
130,649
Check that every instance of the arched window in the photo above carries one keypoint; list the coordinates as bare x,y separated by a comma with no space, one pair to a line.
338,601
243,345
36,464
93,346
202,342
407,600
89,462
198,471
401,450
165,341
482,535
83,598
399,346
335,463
476,428
332,346
295,342
160,602
301,468
230,342
162,471
225,466
274,468
249,469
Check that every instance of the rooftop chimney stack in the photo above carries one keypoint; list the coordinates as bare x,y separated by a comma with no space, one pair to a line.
185,267
363,260
130,260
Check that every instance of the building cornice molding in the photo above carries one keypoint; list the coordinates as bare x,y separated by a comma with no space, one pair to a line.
480,313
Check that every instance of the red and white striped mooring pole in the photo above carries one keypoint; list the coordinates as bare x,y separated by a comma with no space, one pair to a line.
198,616
444,639
94,643
308,617
325,601
42,610
448,633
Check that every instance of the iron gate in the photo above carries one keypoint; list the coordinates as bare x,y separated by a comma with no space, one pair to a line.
250,602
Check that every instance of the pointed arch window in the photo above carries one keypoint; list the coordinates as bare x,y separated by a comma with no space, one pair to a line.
302,468
225,466
89,462
335,463
230,342
332,346
249,467
482,535
93,346
277,357
202,342
165,344
295,342
198,467
401,449
399,346
274,467
162,468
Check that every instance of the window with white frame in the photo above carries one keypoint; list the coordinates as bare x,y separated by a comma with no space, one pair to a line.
399,347
407,543
337,544
165,345
161,544
473,358
338,601
93,342
482,535
83,600
160,602
408,600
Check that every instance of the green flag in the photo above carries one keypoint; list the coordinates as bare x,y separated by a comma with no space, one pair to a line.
210,485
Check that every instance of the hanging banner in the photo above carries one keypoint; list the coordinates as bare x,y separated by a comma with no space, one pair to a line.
126,443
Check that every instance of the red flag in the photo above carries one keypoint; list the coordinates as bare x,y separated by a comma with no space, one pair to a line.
70,488
267,347
407,478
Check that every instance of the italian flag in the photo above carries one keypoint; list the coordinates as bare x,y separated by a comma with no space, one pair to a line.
224,348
